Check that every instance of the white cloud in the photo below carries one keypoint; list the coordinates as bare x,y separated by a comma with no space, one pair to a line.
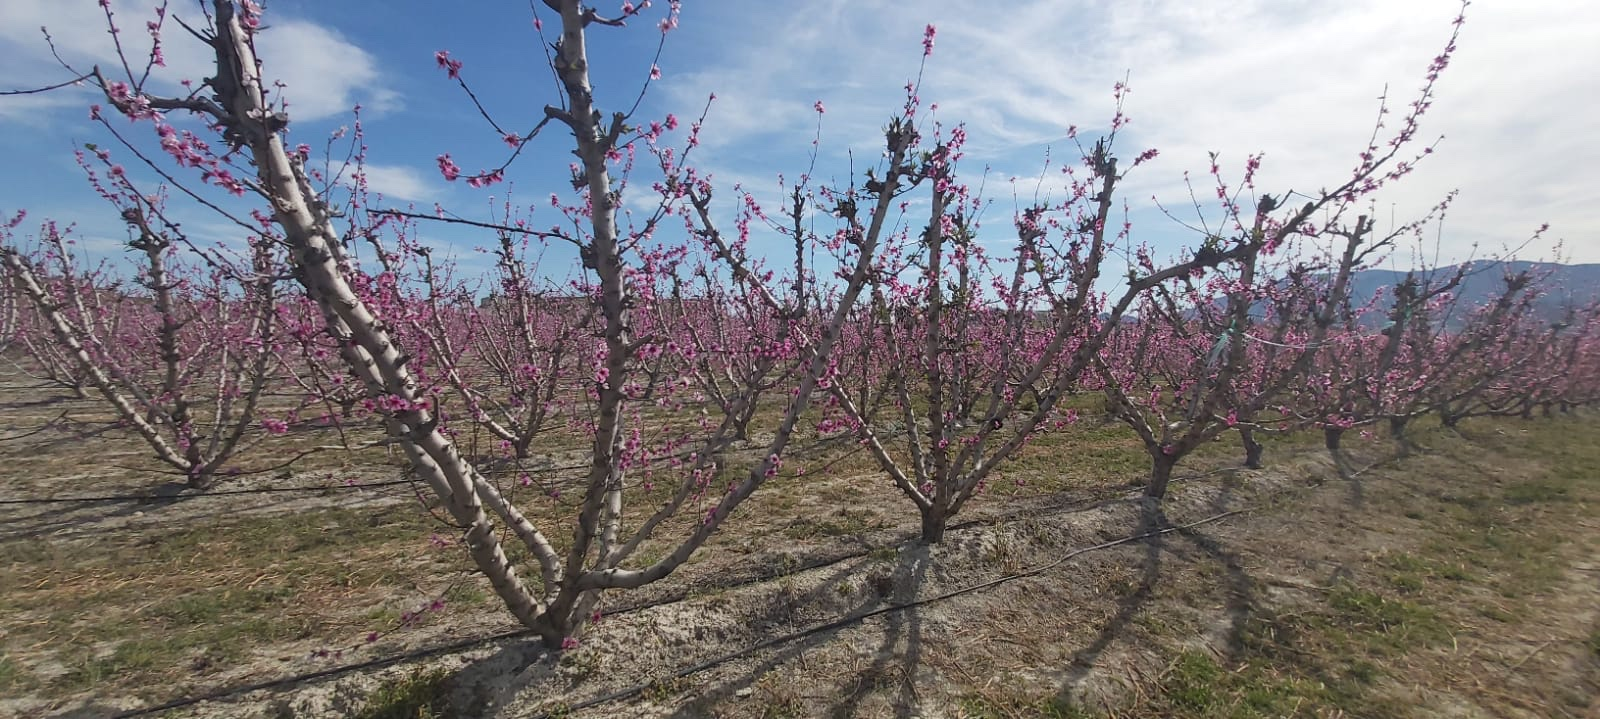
397,182
324,73
1296,80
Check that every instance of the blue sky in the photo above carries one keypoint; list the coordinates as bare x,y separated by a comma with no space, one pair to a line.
1296,79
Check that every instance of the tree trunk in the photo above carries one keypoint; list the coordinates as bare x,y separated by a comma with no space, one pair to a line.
1397,432
1331,437
1160,475
202,479
934,520
554,626
1252,448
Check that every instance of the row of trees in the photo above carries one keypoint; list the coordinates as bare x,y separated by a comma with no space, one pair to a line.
688,367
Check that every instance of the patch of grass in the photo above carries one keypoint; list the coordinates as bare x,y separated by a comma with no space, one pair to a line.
466,594
208,606
13,676
1537,491
1406,582
1487,530
1395,624
149,608
132,656
1191,682
1497,613
846,522
424,694
1498,528
1197,686
1410,573
1513,547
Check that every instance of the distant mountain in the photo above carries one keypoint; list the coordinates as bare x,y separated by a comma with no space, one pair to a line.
1560,284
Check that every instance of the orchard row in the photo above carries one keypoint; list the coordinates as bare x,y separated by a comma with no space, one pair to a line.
687,360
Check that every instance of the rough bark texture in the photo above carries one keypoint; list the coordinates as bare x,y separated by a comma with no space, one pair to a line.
1252,448
934,520
1160,475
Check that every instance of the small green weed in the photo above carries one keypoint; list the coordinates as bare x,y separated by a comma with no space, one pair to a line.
423,694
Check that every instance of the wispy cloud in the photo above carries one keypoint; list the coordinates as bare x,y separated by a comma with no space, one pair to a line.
1298,81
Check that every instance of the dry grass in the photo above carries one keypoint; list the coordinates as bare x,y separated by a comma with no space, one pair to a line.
1456,573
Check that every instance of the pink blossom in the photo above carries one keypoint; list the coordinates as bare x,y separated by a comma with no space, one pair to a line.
449,64
448,167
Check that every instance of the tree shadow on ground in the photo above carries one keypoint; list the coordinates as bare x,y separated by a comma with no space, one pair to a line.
58,517
1083,661
1344,465
171,505
66,440
45,402
899,585
890,658
1190,545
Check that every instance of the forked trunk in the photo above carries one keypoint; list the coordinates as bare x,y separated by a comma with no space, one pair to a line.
555,625
202,479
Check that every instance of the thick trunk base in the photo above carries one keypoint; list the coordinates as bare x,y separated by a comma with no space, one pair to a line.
1397,432
1160,476
934,522
1252,449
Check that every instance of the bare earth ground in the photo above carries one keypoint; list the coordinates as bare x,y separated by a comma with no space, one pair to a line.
1460,581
